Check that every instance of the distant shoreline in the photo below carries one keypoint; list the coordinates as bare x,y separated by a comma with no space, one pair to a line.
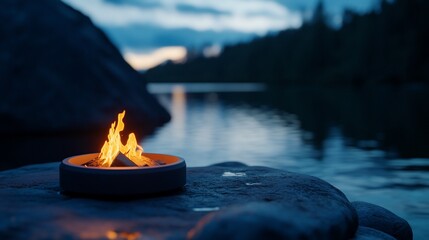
202,87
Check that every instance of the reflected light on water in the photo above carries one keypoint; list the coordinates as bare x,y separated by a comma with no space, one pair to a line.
178,112
204,131
111,235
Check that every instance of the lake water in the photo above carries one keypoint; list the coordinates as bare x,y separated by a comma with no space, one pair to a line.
371,144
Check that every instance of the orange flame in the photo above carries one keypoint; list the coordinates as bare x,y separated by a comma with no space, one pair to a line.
113,145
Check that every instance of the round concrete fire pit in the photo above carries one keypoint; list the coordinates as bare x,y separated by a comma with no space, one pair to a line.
122,181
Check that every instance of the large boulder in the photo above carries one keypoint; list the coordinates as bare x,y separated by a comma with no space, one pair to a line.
223,201
229,201
59,72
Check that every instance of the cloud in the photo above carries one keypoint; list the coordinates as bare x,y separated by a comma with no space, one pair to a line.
137,3
144,29
140,37
170,14
186,8
334,8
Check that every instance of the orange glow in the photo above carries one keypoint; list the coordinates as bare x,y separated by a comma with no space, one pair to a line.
113,145
111,234
122,235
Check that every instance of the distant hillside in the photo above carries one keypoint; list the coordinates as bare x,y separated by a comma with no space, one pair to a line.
389,45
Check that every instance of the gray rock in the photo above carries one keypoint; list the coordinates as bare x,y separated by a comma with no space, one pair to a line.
365,233
32,206
381,219
60,73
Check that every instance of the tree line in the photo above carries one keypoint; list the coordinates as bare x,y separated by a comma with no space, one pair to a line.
388,45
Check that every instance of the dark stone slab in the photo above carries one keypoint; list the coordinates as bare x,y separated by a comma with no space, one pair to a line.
381,219
32,205
61,73
366,233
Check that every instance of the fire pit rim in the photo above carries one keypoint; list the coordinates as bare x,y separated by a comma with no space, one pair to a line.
121,181
179,161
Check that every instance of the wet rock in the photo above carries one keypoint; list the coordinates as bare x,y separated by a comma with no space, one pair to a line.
60,73
379,218
277,201
365,233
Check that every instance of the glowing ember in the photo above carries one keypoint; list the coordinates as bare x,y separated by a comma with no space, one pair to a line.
113,146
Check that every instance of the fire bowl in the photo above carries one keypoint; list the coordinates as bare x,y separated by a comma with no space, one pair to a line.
122,181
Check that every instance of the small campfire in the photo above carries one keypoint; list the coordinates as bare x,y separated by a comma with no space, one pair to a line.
122,169
115,154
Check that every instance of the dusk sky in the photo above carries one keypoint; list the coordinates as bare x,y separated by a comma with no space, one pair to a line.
149,32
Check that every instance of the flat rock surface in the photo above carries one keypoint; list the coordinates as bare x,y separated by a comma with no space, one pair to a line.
32,206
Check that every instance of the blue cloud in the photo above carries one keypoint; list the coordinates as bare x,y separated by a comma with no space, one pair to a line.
332,6
140,37
187,8
136,3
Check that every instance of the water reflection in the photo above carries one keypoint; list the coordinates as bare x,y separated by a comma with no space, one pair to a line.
233,133
178,104
353,142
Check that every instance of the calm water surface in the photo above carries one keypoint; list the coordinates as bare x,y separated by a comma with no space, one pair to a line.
371,145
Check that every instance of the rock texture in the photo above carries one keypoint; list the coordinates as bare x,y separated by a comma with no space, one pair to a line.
365,233
252,202
270,221
381,219
58,72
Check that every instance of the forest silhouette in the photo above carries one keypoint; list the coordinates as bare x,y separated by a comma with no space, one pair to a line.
388,45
